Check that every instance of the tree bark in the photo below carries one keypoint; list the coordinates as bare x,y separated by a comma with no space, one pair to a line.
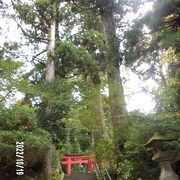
113,61
98,115
49,77
98,111
50,64
47,165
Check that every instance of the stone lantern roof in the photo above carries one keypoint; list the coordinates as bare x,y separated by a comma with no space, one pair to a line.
157,140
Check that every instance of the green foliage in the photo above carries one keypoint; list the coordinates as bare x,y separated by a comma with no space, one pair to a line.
8,67
41,2
18,118
58,92
79,125
73,59
170,39
9,78
82,54
169,96
58,97
137,161
92,39
167,15
37,138
106,154
19,124
8,72
135,43
164,23
37,15
25,12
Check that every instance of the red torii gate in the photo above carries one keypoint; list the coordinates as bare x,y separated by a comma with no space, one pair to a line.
78,159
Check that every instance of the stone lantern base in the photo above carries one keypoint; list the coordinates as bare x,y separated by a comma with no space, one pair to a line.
164,159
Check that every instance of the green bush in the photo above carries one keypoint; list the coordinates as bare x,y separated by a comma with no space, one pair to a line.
137,161
18,124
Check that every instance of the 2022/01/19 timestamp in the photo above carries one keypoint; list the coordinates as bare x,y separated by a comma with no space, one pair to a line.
19,158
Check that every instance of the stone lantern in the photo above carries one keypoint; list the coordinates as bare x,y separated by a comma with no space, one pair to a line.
163,157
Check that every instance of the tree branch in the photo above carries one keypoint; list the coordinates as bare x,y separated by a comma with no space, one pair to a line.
40,62
81,7
28,35
34,57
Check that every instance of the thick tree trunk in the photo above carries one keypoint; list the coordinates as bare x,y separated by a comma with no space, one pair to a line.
47,164
50,64
98,112
113,60
49,77
56,166
103,118
52,159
